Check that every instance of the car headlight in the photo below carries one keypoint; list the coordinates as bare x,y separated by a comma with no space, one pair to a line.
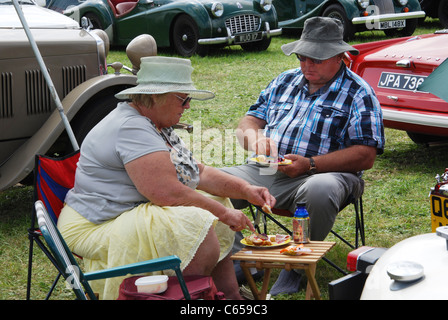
217,9
402,2
363,3
266,5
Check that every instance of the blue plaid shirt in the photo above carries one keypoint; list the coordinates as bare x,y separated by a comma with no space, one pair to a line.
343,113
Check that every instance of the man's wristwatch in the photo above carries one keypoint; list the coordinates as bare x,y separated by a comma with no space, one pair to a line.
312,170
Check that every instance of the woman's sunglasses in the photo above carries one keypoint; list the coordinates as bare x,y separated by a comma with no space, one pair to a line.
184,100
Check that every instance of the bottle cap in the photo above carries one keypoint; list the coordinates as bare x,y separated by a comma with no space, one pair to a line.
301,211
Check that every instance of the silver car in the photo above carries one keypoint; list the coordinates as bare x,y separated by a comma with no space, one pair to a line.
75,59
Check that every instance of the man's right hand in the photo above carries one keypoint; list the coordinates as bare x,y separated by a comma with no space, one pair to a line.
266,146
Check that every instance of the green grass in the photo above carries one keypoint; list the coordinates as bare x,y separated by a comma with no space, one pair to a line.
396,203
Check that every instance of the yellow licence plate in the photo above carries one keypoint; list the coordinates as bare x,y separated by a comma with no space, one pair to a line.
439,212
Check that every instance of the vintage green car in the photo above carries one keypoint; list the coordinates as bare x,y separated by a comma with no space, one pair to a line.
187,26
394,17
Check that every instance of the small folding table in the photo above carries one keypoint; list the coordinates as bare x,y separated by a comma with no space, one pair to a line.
267,258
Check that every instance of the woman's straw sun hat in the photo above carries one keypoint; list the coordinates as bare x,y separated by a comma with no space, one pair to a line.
158,75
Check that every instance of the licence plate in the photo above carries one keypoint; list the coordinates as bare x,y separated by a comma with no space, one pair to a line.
439,212
248,37
400,81
392,24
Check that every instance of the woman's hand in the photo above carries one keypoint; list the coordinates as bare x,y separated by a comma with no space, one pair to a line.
259,196
236,220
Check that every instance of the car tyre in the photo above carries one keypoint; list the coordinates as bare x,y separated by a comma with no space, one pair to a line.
421,138
443,13
336,11
185,36
91,113
411,25
261,45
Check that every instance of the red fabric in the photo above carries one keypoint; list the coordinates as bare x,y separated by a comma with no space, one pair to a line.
55,176
199,287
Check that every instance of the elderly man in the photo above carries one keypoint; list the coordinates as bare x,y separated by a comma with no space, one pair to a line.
324,118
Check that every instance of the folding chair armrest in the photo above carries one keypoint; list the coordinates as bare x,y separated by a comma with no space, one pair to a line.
158,264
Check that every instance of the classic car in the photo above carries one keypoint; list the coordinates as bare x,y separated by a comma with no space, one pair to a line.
395,68
30,121
36,16
394,17
187,26
436,9
412,269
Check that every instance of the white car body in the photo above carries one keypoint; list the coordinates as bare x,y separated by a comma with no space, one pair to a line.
36,17
430,251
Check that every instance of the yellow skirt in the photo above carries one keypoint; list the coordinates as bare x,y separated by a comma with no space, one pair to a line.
143,233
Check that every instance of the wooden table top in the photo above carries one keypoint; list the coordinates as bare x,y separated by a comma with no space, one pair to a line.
273,255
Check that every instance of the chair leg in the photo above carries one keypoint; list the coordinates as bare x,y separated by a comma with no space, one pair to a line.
362,225
265,215
183,286
35,238
30,266
344,240
53,286
360,234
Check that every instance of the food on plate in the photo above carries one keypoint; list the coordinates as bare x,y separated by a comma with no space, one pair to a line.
273,240
280,238
269,160
296,250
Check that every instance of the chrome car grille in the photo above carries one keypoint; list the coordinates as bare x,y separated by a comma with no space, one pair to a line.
243,23
385,6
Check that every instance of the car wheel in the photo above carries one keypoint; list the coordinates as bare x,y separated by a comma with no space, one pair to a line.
443,13
420,138
411,25
185,36
256,46
336,11
91,113
96,23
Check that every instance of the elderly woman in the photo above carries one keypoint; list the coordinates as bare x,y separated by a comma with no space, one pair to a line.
139,194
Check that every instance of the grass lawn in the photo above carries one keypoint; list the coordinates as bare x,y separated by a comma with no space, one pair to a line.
396,202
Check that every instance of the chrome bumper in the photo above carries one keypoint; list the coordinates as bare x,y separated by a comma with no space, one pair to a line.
389,17
428,120
230,39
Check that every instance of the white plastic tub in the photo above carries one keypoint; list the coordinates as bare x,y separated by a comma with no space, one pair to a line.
152,284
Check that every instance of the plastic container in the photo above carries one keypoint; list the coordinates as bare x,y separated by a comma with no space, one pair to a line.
152,284
301,224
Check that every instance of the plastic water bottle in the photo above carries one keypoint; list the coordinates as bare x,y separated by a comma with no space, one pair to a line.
301,224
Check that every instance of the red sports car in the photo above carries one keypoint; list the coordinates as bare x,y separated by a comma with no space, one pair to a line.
395,68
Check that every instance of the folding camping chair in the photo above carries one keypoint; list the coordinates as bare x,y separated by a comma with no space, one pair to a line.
78,280
53,178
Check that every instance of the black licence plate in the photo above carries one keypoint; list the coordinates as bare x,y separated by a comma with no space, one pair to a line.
392,24
400,81
248,37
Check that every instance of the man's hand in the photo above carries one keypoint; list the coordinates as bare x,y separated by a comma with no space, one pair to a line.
299,166
265,146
